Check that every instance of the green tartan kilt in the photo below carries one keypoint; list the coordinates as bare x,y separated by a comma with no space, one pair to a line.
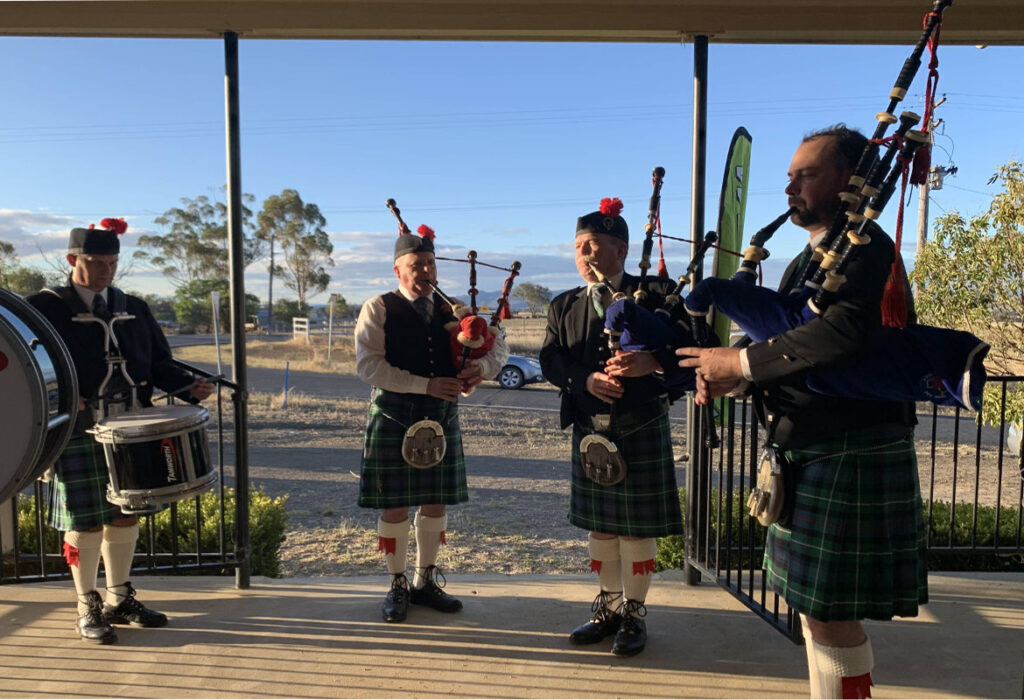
646,502
78,492
856,544
386,481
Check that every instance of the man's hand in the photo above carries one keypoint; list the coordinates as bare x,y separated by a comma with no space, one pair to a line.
200,389
446,388
718,370
469,375
631,364
604,387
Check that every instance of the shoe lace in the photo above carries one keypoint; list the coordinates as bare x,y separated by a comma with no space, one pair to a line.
399,587
129,604
602,606
632,610
432,575
94,615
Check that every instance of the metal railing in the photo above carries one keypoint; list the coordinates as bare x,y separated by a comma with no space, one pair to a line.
965,481
35,554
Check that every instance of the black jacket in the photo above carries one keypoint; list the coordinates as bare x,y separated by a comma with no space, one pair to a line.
796,416
575,346
142,343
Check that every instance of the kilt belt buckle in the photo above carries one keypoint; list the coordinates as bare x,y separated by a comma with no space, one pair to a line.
424,445
603,463
768,499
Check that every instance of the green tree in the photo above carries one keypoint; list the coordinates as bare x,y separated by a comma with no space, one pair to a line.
341,308
26,280
193,307
8,262
195,245
298,227
287,309
971,276
536,296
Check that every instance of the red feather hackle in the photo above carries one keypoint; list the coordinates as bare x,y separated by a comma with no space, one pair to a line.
426,232
118,226
611,206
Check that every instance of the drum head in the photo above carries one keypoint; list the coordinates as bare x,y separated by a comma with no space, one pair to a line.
147,423
39,393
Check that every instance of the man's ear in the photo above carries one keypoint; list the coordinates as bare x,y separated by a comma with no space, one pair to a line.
71,259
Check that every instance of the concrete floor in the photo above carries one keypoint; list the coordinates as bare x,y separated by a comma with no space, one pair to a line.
323,637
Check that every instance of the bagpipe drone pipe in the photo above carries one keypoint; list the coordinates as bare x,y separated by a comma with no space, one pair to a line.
902,361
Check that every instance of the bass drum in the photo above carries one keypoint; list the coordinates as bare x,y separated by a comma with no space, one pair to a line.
38,394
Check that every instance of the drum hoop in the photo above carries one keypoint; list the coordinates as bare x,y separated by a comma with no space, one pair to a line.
143,432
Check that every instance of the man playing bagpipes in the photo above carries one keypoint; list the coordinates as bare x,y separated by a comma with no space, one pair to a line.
412,453
92,526
623,476
852,546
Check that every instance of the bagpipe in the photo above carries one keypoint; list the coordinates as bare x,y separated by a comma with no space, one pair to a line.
903,361
471,335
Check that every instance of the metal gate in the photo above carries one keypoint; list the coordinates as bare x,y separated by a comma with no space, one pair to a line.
968,475
31,549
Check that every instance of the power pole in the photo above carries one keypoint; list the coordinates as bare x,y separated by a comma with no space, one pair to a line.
270,289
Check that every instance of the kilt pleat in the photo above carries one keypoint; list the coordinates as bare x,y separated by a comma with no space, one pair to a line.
646,502
78,491
386,480
855,547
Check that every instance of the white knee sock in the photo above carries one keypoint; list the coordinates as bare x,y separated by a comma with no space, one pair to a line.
606,561
842,672
118,554
429,537
637,566
393,540
82,552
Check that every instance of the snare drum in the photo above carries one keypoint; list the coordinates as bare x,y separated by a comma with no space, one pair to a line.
38,394
156,456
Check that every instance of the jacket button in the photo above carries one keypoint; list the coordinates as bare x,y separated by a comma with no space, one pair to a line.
773,340
788,358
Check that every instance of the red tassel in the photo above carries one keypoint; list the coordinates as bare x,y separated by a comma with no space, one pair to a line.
505,313
857,686
662,269
71,554
388,545
444,540
595,566
894,298
641,568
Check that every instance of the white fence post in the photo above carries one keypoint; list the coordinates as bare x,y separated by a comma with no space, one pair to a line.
300,327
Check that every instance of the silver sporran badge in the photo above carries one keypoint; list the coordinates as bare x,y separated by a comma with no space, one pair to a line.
603,463
768,499
424,444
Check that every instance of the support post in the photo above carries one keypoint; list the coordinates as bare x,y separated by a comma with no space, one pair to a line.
698,452
237,267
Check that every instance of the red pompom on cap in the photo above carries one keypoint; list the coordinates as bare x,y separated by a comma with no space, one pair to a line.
118,226
426,232
611,206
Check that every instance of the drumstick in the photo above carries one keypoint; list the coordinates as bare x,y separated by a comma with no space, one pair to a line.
213,379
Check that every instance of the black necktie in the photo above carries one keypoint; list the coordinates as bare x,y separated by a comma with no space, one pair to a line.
795,268
422,305
99,307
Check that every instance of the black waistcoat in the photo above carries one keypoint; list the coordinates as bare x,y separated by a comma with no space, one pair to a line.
413,345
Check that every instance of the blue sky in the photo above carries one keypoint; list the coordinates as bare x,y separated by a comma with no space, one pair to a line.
497,146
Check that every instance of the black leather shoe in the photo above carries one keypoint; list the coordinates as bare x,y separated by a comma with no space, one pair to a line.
91,625
604,623
131,612
396,603
431,594
632,635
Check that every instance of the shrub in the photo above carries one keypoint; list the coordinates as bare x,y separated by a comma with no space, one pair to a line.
267,522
